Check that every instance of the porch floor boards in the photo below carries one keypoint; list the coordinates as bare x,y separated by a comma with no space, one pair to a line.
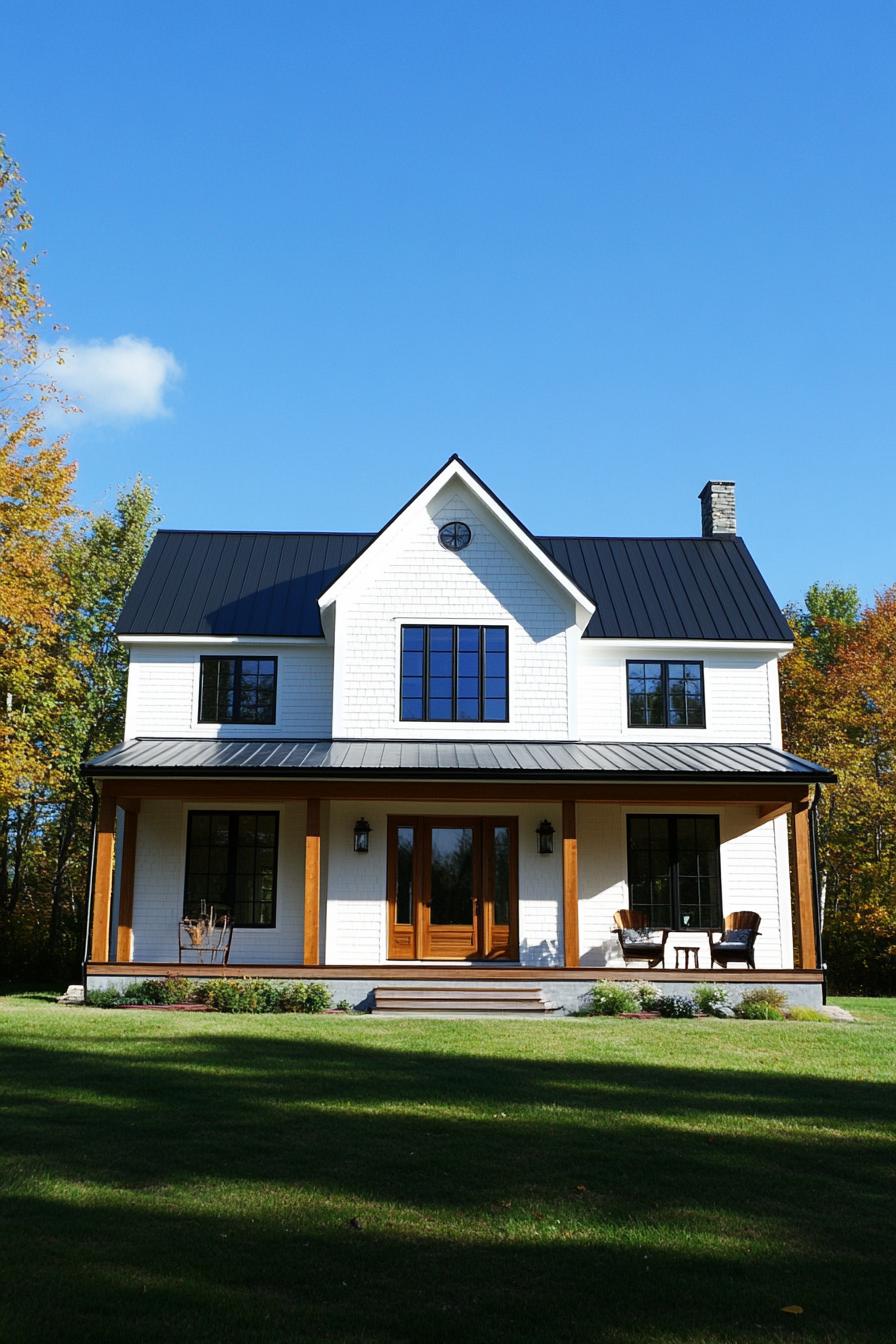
459,972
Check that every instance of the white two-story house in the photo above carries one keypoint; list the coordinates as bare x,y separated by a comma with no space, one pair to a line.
455,754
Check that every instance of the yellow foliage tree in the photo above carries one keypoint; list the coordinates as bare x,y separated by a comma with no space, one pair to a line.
838,696
35,510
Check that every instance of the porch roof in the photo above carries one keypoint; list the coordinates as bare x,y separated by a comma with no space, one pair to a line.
343,758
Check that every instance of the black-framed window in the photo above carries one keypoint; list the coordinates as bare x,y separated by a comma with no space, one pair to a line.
454,673
674,876
665,695
232,865
237,690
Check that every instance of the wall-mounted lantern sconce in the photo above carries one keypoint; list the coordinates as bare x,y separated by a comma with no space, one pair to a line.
545,833
362,836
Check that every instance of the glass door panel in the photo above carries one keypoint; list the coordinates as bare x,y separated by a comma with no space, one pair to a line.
404,875
451,875
500,874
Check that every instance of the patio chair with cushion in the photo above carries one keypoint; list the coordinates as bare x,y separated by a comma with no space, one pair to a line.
736,944
637,941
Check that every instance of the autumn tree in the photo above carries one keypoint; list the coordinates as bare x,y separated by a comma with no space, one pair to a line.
63,579
35,508
838,694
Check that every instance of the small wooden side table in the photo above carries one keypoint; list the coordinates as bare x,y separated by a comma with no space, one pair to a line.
688,953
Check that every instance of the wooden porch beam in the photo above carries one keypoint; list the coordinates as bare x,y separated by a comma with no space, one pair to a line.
434,790
570,885
124,941
312,883
801,869
104,860
770,811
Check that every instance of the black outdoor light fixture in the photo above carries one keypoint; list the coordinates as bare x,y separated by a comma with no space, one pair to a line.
362,836
545,833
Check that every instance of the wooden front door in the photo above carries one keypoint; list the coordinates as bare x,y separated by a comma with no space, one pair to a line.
450,904
452,888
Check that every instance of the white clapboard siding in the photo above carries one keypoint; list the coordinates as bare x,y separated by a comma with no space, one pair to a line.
163,691
741,704
492,581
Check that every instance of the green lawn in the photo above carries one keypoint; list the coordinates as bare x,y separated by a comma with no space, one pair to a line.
194,1177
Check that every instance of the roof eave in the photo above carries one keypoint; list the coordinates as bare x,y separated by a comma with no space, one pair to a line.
463,775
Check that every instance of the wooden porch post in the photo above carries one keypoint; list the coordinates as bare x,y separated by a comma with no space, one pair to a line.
102,878
801,867
124,941
570,885
312,883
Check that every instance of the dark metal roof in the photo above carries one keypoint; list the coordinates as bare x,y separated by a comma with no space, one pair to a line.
670,587
236,583
480,760
268,584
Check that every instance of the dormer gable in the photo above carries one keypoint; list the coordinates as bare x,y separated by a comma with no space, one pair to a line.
455,481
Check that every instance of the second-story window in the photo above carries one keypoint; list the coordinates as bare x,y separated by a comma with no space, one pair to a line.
666,695
237,690
454,673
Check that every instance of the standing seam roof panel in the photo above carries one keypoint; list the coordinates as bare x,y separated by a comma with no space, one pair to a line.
673,596
268,584
700,613
563,759
609,576
219,586
706,577
736,600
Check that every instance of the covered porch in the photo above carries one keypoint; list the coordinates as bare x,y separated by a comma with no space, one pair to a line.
337,916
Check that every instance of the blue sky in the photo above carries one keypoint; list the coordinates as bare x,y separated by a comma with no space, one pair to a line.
603,251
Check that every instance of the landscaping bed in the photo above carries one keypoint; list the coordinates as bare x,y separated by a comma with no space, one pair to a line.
176,993
642,1000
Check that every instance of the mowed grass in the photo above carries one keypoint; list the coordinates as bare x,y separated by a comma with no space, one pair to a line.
207,1178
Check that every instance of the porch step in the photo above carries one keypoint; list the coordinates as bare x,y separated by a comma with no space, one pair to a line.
454,998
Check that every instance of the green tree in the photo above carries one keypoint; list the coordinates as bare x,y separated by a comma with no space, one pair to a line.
49,826
829,613
838,700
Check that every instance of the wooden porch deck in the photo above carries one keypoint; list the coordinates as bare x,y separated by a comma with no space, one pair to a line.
463,973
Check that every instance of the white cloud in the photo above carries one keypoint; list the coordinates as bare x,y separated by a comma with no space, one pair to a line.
123,379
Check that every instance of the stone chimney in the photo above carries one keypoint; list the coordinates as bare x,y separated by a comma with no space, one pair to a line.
717,509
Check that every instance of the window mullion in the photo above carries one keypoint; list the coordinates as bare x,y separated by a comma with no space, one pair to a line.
426,711
673,854
455,644
232,826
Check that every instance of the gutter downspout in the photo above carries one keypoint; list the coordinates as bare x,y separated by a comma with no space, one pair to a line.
816,887
94,815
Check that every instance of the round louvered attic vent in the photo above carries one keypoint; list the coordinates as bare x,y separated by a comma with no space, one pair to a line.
455,536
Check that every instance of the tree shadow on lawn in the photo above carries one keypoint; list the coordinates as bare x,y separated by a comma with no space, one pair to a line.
209,1184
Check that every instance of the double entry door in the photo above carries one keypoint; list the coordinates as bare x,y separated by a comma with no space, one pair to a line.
452,887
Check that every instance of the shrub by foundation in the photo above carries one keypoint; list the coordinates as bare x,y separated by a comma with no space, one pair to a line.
221,996
765,1003
609,999
710,998
676,1005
